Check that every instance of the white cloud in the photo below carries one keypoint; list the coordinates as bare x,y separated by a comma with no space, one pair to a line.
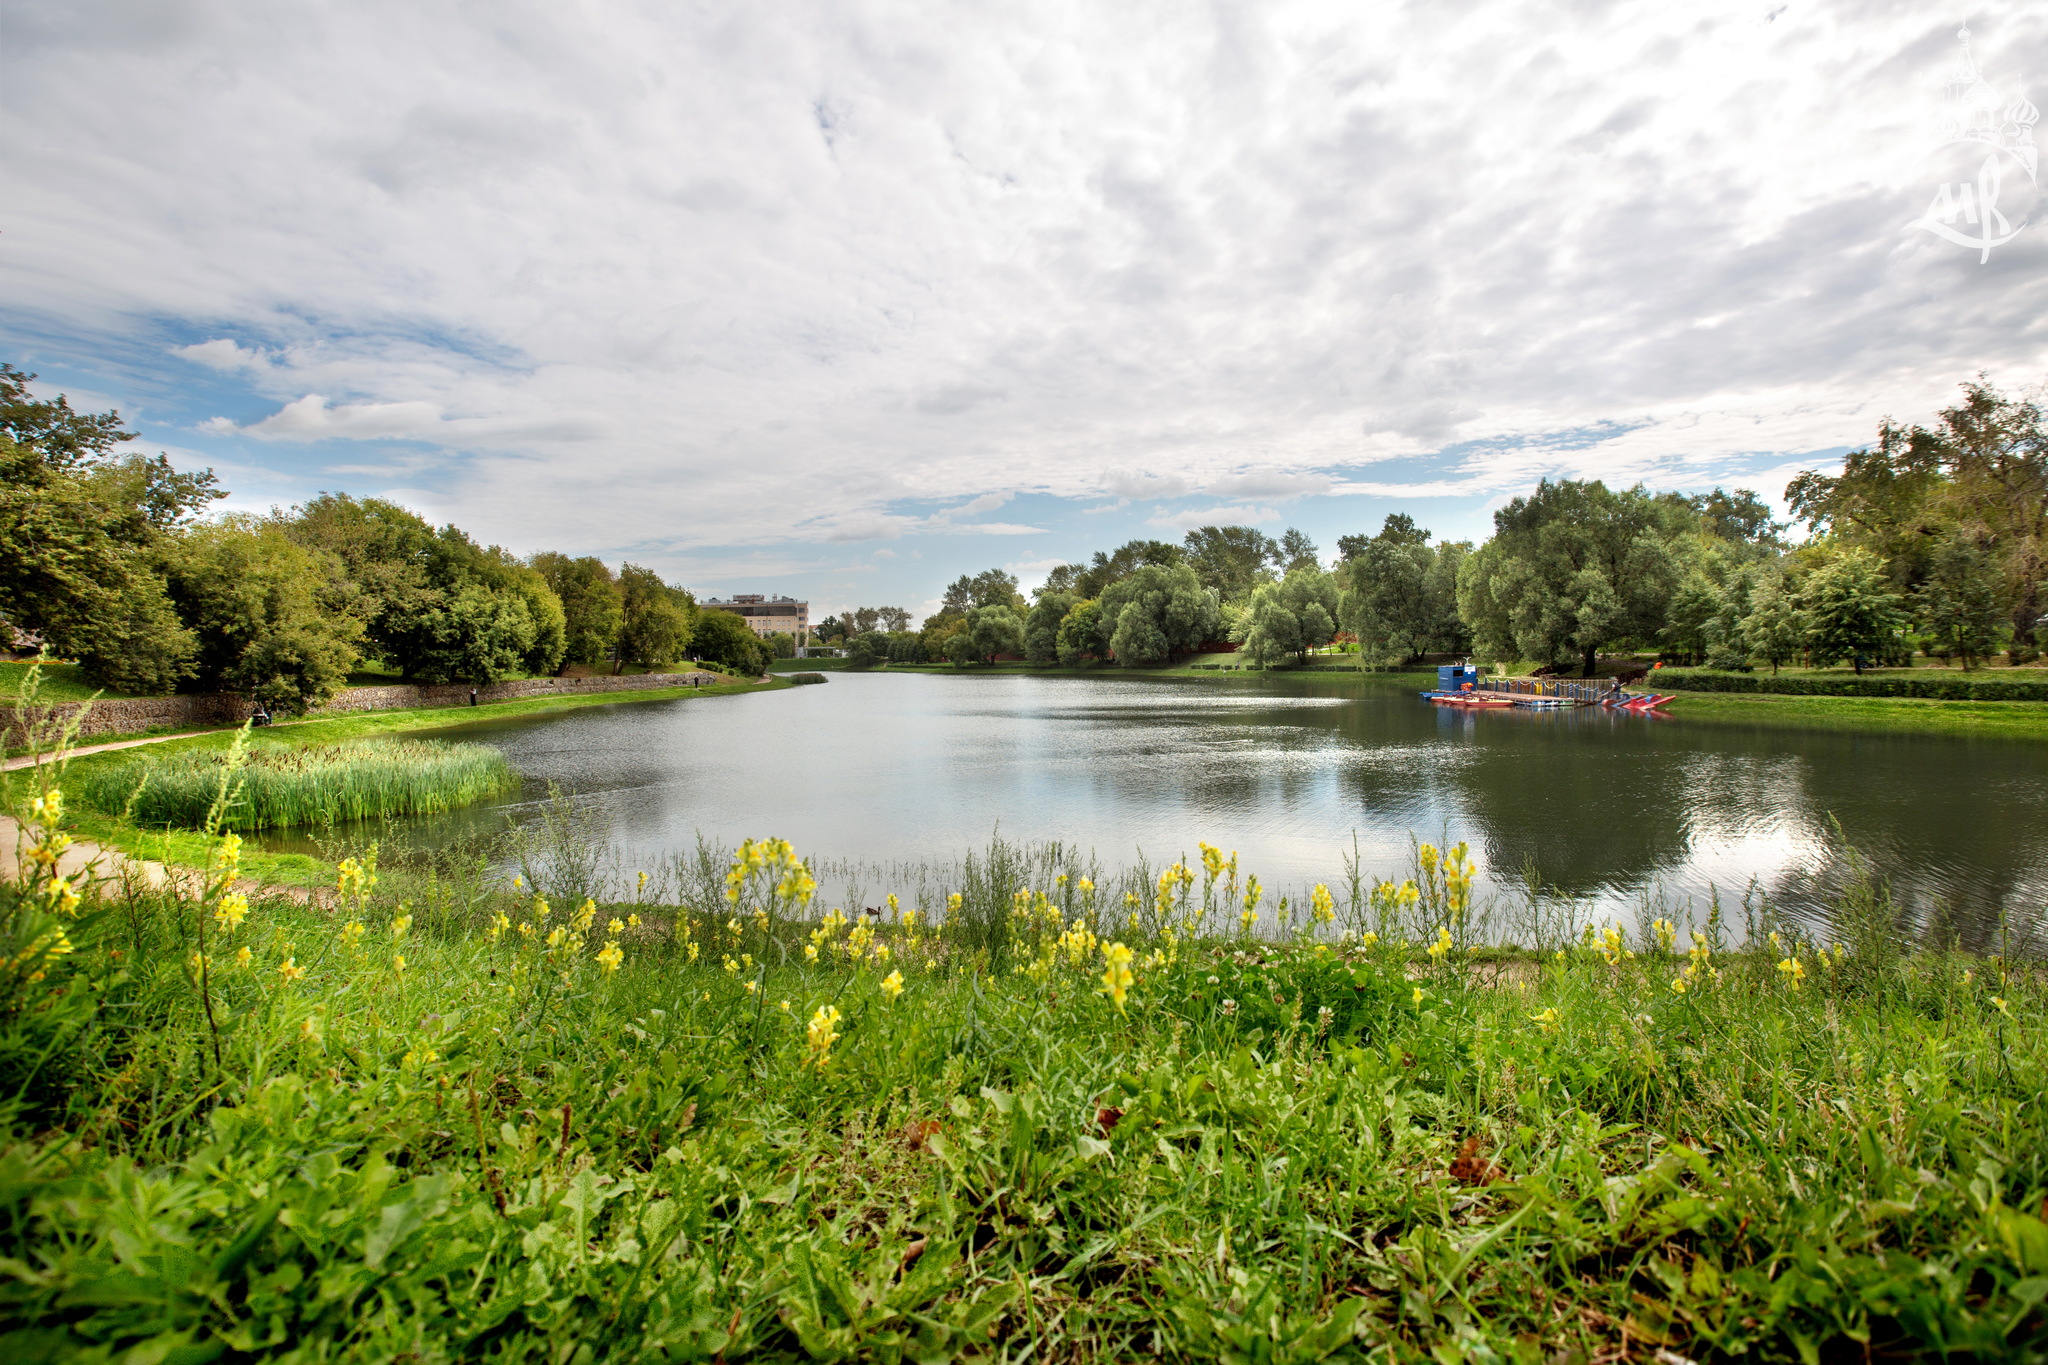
224,354
772,275
1241,514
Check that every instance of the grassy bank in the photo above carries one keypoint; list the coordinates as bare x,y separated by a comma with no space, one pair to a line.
186,848
451,1120
58,682
1993,720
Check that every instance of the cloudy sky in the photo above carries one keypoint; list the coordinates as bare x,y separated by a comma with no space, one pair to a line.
842,300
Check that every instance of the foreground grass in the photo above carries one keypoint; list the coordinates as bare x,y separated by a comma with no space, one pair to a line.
450,1121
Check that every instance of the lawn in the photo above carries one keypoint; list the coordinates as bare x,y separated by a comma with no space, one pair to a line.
60,682
459,1119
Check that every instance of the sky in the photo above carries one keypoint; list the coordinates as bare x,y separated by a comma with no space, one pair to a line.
842,300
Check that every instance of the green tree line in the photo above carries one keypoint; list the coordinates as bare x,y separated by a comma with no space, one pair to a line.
1934,539
110,558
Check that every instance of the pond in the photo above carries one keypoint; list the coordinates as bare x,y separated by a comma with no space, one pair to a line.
1288,770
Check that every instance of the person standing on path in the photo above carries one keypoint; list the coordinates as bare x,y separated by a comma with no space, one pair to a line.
472,696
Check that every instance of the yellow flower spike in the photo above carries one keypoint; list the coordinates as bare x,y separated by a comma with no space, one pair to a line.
232,910
632,921
643,881
1427,856
243,957
540,909
62,895
750,986
352,931
892,985
289,971
1366,938
784,1007
820,1034
810,952
1998,1003
1116,976
402,926
1548,1020
611,956
1322,905
1419,994
557,936
47,807
398,962
616,927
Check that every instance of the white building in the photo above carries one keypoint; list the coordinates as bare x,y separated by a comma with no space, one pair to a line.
768,615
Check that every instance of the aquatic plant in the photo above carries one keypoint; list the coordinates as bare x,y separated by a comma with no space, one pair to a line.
279,787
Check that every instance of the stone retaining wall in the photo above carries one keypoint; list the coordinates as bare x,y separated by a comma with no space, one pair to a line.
132,716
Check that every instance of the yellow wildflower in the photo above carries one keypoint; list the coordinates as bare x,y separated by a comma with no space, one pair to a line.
47,807
1442,946
610,956
632,921
750,986
616,927
1548,1020
63,895
243,957
401,926
1322,905
289,971
1116,976
1419,992
820,1034
892,985
398,962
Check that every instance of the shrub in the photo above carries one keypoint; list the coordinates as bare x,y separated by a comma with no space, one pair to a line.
1952,688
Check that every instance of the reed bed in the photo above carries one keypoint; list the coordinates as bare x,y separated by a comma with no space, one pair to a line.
286,788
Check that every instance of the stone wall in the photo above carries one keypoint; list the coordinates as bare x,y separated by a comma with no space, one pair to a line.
128,717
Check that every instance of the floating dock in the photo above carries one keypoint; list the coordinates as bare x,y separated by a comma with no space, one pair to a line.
1460,685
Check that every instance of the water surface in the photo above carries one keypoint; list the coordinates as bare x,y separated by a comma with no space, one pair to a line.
1288,770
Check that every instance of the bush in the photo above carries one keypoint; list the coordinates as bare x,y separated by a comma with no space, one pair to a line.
1953,688
801,678
284,788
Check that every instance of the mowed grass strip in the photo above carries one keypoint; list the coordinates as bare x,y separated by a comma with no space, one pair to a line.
283,787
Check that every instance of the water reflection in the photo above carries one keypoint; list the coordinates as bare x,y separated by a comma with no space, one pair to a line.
1288,770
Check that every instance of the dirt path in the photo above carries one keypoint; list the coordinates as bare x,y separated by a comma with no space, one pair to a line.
31,760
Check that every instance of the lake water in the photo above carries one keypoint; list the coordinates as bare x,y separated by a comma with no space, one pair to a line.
1287,770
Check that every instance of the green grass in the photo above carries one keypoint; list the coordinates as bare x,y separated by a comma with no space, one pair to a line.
1273,1152
60,682
286,786
1992,720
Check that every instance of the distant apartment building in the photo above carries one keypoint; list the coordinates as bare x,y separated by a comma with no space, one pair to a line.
769,615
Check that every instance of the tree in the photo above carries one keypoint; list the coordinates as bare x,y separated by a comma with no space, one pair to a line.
1297,550
1293,616
1958,604
989,588
1232,560
1850,608
593,610
1775,628
1104,569
993,630
867,649
655,619
268,612
1042,626
724,638
1156,612
1572,567
1080,637
81,531
1739,518
1397,595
